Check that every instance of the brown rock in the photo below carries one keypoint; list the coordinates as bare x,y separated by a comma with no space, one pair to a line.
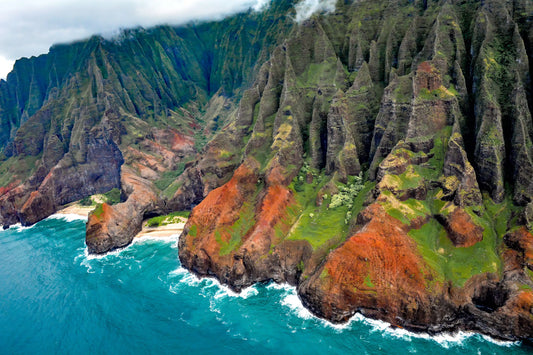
462,231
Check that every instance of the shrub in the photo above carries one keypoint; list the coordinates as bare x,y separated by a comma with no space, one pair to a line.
86,201
112,197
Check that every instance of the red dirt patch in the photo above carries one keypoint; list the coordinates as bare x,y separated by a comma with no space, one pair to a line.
378,267
462,231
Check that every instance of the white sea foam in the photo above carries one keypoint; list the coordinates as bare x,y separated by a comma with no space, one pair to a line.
225,291
289,299
139,240
446,340
19,228
222,291
68,217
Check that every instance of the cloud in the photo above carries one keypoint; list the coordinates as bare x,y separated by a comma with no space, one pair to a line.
307,8
30,27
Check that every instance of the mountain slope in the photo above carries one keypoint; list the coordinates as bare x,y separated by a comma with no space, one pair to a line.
149,99
378,157
388,169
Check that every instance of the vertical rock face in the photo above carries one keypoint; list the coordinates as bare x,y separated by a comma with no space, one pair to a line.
416,99
379,160
111,227
149,99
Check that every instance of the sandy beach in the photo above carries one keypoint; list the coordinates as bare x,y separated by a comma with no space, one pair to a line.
162,231
159,232
82,211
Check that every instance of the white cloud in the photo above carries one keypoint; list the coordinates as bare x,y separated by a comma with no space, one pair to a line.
30,27
307,8
6,66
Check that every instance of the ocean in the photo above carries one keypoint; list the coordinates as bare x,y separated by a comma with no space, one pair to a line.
54,298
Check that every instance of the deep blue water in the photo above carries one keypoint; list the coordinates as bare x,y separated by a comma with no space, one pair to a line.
54,299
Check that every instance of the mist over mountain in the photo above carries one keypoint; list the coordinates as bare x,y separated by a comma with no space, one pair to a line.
374,154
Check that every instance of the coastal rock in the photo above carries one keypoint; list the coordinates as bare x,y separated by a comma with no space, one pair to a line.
112,227
366,275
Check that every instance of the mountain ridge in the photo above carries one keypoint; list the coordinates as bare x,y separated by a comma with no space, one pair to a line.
379,161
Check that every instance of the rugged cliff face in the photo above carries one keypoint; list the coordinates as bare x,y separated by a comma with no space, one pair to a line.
388,169
146,101
380,160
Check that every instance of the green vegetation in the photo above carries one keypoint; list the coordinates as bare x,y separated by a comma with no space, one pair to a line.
168,177
453,263
238,230
87,201
368,282
174,217
98,210
17,168
112,197
325,224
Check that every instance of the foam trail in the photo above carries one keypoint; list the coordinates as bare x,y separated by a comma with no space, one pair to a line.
137,240
19,227
446,340
68,217
223,291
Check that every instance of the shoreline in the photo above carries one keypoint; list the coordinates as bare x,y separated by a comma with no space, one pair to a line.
161,231
444,338
164,231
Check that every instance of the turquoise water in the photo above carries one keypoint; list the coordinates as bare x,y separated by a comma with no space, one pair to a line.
54,299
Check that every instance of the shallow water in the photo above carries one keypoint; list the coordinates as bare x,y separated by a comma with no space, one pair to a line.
55,299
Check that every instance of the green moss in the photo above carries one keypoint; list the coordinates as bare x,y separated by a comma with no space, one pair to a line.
321,225
452,263
168,177
87,201
525,287
193,230
174,217
17,168
98,210
238,230
172,188
112,197
368,282
529,273
318,73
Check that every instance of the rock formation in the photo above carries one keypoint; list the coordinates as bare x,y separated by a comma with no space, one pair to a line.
377,157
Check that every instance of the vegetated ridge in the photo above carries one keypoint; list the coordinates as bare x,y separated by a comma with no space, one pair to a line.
377,157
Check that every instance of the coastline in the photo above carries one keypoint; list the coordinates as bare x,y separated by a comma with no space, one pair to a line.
164,231
161,231
444,338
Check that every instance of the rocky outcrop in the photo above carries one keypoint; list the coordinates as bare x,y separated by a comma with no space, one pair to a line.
462,231
417,240
112,227
377,280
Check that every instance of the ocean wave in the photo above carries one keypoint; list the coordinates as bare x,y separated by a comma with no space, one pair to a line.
290,299
137,240
19,227
445,339
222,291
149,238
68,217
